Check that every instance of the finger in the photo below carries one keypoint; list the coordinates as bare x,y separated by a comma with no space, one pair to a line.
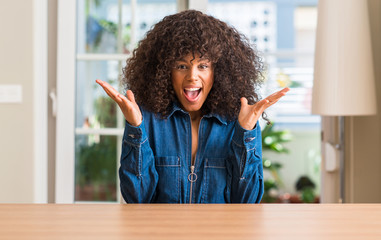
106,85
282,92
100,82
278,94
271,103
259,107
112,95
244,102
275,97
261,104
286,89
125,100
109,90
264,105
130,96
126,103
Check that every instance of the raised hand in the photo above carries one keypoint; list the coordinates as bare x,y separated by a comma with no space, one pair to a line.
126,103
249,114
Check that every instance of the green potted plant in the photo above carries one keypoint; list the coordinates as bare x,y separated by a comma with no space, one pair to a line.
306,189
273,141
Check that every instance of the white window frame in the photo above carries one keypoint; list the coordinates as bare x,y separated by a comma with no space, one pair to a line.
65,158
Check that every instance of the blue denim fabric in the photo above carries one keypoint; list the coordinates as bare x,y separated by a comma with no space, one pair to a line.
156,161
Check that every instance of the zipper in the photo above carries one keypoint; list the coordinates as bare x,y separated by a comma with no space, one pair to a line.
191,180
192,177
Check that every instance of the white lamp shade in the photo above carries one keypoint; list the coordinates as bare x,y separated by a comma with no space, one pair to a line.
343,75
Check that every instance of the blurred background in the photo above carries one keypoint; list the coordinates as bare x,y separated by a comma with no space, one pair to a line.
61,136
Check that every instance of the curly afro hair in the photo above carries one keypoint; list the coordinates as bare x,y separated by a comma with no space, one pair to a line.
237,67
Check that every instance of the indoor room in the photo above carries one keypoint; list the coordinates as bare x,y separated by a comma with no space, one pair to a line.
68,146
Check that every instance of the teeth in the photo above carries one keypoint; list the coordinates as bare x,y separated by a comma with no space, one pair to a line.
192,89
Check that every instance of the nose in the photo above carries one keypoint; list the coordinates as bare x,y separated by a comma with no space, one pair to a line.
193,73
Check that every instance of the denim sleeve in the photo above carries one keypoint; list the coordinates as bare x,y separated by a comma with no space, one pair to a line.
246,170
137,173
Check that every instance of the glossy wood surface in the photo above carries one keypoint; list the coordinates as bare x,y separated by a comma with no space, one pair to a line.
164,221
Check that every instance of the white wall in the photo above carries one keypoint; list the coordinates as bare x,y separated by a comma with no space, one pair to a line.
365,167
16,120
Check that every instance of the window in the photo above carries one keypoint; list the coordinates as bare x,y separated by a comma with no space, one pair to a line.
105,33
283,32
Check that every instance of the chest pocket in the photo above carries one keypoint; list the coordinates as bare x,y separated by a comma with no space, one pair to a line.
215,180
168,186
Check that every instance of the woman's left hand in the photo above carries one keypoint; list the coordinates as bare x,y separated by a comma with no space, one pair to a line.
249,114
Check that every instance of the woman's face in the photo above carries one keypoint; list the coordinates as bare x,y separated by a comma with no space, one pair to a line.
192,80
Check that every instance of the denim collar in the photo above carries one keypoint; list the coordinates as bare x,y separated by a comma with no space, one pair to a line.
176,107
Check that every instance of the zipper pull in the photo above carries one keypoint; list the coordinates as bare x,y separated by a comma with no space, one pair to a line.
192,175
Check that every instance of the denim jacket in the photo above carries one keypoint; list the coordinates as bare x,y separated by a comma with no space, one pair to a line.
156,161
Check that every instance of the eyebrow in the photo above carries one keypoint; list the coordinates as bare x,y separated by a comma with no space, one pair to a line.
201,59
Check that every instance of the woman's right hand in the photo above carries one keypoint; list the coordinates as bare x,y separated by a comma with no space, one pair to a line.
126,103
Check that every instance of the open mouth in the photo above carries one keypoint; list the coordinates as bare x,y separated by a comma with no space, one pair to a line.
192,94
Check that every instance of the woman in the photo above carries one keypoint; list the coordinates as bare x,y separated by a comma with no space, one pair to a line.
191,112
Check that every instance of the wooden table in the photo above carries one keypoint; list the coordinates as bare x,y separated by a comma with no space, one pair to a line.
241,221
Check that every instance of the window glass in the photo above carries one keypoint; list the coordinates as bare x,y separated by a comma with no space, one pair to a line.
96,170
98,25
94,109
256,20
150,12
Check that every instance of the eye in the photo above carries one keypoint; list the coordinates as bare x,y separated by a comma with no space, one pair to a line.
203,66
181,67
